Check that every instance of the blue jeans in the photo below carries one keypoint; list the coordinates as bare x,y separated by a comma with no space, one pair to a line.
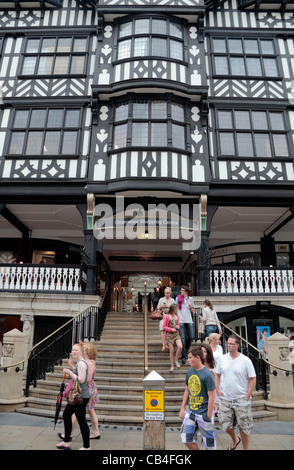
186,335
210,329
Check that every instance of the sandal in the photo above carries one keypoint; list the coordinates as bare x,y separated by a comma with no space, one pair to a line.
171,369
234,447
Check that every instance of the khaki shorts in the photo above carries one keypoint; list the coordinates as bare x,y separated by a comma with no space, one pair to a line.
234,413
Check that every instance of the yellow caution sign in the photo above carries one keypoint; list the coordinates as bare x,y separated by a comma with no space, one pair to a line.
154,401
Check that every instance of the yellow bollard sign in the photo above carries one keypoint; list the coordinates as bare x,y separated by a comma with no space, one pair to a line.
154,405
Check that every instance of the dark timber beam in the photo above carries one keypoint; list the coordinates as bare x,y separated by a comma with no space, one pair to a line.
281,224
11,218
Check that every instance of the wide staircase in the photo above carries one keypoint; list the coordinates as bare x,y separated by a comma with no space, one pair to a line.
120,374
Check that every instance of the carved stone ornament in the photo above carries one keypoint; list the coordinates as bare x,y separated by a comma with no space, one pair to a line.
284,354
8,350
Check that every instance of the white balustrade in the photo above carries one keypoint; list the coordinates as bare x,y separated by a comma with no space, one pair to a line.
252,281
40,278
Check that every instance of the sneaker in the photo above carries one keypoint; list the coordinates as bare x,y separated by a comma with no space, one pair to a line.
183,360
171,369
177,365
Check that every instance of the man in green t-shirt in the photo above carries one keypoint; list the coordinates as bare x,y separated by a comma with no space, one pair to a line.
199,395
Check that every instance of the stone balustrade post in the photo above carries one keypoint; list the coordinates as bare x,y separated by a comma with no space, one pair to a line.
281,398
11,378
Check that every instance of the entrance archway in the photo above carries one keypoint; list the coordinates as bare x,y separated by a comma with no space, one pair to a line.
129,292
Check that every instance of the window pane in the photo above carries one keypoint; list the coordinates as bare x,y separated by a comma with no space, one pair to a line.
176,30
141,46
33,45
219,45
280,145
221,65
38,118
55,118
45,65
64,45
270,67
177,112
120,136
159,26
125,29
21,119
77,64
242,119
140,110
225,119
61,65
244,144
121,112
69,143
140,134
29,65
267,47
34,143
158,134
235,45
237,66
72,118
48,45
178,136
227,144
158,110
80,45
176,50
159,47
254,66
16,143
259,120
142,26
251,46
52,143
124,49
262,145
277,121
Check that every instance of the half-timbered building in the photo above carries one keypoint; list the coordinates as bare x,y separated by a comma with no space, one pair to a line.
143,105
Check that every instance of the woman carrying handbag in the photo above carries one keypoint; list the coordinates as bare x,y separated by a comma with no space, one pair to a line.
80,375
163,305
210,319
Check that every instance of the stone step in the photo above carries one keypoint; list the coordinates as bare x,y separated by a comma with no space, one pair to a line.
127,420
120,373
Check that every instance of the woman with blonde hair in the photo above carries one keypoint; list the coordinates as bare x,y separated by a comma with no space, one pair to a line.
163,305
90,354
213,341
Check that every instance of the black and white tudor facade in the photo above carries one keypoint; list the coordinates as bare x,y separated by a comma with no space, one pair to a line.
158,102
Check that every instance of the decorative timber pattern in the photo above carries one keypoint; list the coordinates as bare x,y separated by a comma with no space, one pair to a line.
262,25
189,74
45,90
148,3
148,163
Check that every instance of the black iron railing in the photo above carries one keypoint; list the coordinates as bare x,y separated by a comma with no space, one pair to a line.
48,353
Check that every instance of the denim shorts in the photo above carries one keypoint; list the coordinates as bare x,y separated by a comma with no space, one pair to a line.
194,423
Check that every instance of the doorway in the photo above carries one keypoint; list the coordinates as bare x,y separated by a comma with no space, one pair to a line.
129,292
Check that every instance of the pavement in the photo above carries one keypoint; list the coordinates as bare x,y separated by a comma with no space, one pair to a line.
27,432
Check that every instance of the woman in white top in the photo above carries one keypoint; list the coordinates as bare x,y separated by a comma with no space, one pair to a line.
163,305
210,319
217,350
